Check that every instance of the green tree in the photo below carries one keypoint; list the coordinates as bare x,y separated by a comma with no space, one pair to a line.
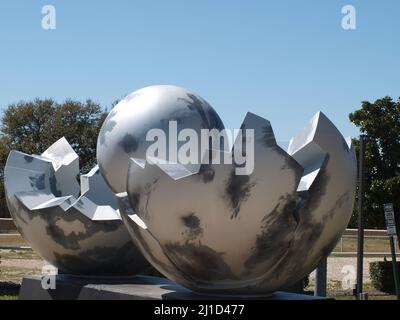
380,121
32,126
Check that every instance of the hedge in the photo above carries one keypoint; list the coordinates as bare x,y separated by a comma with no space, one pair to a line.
381,274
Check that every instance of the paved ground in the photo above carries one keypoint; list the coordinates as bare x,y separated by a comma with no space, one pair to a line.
339,268
17,264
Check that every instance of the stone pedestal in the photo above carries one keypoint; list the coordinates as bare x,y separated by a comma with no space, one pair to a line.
69,287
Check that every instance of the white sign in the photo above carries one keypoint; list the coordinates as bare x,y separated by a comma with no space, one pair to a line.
389,217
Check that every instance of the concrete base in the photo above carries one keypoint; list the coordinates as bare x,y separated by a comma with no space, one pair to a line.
133,288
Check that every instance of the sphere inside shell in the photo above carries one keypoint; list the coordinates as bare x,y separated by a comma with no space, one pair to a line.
231,234
123,134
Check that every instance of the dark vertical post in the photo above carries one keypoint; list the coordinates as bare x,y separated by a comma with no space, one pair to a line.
360,242
395,268
320,279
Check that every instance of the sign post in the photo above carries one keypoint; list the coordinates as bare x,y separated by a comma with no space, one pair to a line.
391,230
360,211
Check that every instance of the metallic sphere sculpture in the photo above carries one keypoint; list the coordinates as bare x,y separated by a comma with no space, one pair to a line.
75,227
123,134
216,232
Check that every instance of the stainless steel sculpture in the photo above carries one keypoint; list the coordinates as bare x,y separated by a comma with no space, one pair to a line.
123,134
217,232
203,225
76,228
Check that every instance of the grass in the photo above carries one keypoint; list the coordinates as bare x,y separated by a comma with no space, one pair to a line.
19,254
8,294
14,274
372,297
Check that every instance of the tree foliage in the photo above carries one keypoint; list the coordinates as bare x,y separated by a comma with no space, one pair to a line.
380,121
32,126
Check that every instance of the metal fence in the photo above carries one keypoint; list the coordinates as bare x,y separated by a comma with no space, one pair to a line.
376,243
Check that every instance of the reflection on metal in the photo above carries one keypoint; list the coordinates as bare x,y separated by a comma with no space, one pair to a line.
205,226
217,232
123,134
76,228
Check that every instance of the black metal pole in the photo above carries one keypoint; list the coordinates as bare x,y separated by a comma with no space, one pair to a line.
360,242
320,278
395,269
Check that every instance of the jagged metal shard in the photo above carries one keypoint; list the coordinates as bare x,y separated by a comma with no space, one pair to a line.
76,228
214,231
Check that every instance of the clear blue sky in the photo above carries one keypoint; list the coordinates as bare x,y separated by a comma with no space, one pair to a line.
283,60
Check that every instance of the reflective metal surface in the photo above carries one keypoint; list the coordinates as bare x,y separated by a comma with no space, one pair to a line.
217,232
80,232
123,134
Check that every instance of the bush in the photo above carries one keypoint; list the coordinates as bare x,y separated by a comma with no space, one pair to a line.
381,274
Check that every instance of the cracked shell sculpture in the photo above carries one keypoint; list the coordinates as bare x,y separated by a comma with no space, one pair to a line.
216,232
77,228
